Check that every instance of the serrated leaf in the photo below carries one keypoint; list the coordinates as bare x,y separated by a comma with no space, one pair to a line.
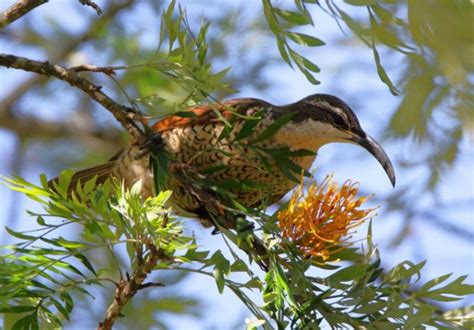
405,271
431,283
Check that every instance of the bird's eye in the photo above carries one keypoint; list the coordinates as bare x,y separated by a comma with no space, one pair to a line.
339,121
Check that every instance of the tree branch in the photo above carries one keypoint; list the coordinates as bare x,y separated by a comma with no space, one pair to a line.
63,51
125,115
17,10
128,288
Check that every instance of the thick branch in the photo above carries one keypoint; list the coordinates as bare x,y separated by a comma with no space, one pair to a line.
125,115
127,288
17,10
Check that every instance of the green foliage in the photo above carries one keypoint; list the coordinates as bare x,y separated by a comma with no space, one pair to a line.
184,61
283,34
434,39
41,272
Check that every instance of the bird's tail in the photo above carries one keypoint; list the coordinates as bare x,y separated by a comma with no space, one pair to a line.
101,172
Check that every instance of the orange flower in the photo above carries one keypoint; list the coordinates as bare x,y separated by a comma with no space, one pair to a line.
321,219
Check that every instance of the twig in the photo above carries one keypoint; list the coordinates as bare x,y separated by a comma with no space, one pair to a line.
92,68
125,115
17,10
66,48
128,288
92,4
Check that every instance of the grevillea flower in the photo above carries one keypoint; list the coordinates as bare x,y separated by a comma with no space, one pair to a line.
322,218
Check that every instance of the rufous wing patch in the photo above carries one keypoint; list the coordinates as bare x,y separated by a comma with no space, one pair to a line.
205,113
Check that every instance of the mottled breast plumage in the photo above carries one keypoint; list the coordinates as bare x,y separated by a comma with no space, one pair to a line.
195,141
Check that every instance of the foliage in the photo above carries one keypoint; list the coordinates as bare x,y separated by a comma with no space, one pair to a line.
40,273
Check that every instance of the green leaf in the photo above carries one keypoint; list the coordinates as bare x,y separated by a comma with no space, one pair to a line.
19,235
61,309
422,314
361,2
450,292
271,19
350,273
214,169
282,48
382,74
221,269
405,271
247,128
69,303
293,17
431,283
195,255
305,39
86,262
239,266
17,309
356,27
29,321
159,164
271,129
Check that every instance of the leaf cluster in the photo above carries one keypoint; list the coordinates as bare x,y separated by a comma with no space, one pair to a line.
282,22
42,270
185,61
40,273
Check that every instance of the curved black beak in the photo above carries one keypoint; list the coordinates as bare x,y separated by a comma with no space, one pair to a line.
376,150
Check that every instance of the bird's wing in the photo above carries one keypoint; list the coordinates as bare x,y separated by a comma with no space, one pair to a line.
206,113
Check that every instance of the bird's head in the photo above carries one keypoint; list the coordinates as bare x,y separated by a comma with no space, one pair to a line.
322,119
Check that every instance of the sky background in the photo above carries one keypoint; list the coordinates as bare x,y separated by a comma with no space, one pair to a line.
348,72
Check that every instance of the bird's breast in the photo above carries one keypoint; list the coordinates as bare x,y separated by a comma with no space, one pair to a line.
202,147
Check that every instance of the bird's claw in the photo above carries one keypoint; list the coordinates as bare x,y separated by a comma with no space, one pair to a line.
153,144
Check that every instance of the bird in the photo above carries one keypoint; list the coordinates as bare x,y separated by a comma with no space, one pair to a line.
251,151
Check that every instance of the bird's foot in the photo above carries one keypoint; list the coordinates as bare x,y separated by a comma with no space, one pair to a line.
153,144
